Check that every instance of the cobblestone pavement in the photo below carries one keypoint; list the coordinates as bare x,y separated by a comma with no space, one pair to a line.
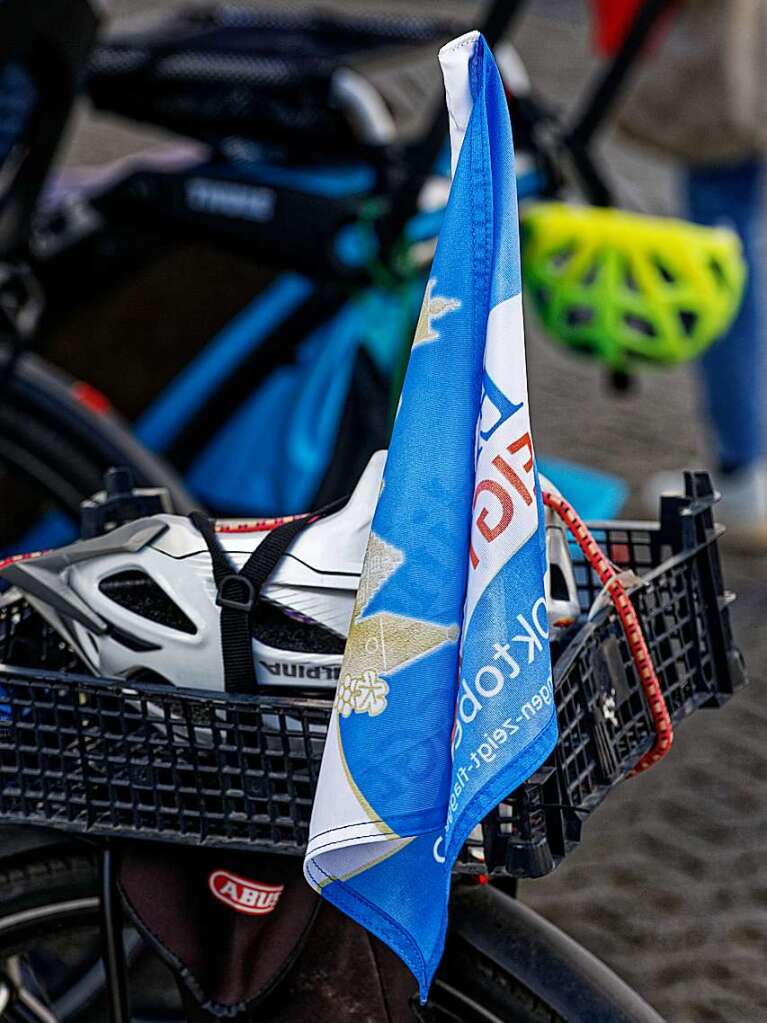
669,885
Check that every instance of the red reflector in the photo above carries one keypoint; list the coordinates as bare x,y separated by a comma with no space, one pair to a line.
91,398
612,20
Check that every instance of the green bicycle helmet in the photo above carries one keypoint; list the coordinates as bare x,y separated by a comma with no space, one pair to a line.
628,288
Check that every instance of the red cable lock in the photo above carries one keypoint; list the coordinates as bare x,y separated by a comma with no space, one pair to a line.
664,732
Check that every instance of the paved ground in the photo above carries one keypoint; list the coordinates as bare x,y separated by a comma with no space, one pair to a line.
670,884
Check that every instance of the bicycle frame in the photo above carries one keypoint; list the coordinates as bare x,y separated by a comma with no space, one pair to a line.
206,395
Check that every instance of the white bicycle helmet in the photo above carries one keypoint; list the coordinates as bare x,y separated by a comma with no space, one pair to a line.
140,602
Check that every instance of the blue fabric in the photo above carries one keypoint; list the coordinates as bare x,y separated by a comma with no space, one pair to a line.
445,700
17,100
272,454
52,530
596,495
734,370
334,181
180,401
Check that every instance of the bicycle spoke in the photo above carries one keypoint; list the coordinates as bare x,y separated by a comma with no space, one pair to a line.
22,1004
6,996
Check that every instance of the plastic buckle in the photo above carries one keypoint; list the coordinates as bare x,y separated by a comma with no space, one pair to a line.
237,605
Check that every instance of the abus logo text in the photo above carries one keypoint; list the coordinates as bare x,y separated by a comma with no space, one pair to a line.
250,897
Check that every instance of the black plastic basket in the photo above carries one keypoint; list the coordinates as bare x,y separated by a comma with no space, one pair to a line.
102,758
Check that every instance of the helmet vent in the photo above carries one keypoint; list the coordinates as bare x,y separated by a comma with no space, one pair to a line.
277,627
717,271
591,275
579,316
630,280
562,257
639,325
139,593
665,274
688,319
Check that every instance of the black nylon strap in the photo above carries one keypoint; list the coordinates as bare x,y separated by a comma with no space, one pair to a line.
219,560
238,592
236,605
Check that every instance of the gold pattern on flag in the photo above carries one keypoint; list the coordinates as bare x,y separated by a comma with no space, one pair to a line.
434,307
381,561
383,642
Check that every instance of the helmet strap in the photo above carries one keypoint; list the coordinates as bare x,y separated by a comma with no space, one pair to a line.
239,592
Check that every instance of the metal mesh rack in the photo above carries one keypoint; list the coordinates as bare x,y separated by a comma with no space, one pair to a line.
103,758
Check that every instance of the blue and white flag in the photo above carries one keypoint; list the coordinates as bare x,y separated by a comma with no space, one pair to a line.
445,703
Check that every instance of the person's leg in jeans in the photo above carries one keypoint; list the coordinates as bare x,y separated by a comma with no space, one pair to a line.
734,369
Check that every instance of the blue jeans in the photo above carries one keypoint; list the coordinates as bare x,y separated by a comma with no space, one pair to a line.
734,369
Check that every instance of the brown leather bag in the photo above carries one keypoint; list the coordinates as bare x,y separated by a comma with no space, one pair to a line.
701,94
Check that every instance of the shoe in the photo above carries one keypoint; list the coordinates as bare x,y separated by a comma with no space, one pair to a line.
742,508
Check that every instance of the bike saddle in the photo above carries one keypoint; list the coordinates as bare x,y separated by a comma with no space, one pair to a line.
310,81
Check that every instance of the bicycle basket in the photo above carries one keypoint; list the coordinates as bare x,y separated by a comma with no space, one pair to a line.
106,758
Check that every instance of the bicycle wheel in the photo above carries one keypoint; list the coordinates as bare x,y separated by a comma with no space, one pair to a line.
49,941
57,438
50,945
505,956
49,914
502,1000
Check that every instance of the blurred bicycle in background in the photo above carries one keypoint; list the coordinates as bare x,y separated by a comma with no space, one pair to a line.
340,205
